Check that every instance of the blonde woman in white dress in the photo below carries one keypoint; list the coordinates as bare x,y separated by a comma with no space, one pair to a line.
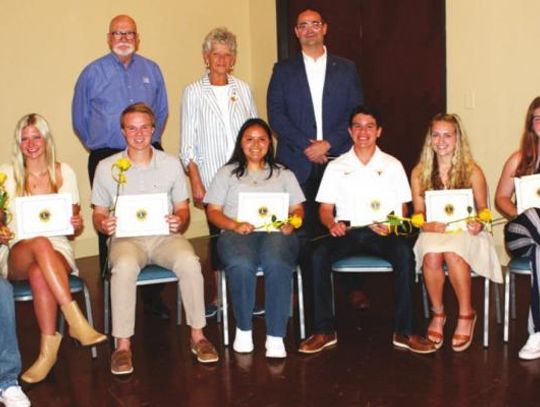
446,163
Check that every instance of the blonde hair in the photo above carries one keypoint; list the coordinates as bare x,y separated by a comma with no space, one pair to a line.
462,163
18,161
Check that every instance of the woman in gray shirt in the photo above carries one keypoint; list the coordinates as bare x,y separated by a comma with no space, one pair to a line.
242,250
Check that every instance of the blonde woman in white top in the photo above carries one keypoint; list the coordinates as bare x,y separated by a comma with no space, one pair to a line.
45,262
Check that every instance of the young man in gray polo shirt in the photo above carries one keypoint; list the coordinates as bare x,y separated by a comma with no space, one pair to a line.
151,171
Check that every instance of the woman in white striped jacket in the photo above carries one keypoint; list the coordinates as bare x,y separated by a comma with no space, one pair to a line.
214,108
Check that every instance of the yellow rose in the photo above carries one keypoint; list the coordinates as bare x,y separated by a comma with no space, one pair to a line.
485,215
122,178
3,178
295,221
123,164
417,220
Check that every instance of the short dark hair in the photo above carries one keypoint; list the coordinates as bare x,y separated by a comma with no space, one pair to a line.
138,108
367,110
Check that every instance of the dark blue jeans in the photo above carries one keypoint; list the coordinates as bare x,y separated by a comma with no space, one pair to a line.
392,248
10,359
241,255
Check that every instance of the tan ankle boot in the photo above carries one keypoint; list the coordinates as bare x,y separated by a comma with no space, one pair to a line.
79,327
47,358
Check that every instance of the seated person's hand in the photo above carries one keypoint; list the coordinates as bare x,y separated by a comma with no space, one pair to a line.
174,222
77,220
435,227
244,228
474,227
381,229
108,225
5,234
287,229
338,229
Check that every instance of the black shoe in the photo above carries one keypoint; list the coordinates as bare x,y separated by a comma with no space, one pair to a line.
158,309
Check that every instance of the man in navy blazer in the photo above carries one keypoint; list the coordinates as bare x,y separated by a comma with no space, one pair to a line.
309,100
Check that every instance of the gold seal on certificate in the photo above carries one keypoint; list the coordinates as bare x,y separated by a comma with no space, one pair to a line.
142,215
43,215
258,208
527,192
450,206
375,205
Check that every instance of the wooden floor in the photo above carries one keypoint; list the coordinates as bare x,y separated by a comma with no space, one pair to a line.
363,370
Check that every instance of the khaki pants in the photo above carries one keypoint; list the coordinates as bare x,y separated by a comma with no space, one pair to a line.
129,255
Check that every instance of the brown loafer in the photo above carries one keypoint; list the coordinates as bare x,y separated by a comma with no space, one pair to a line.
205,351
121,362
414,343
316,343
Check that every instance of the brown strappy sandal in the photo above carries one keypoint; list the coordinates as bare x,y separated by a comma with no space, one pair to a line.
464,340
436,337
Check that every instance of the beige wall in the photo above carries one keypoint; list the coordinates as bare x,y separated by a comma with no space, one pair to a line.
492,73
491,66
47,43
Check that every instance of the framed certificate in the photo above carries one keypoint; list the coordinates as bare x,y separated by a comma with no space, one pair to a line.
374,206
43,215
142,215
527,192
450,205
258,208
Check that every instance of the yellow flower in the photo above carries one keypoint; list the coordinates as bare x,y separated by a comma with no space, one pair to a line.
3,178
123,164
122,179
417,220
295,221
485,215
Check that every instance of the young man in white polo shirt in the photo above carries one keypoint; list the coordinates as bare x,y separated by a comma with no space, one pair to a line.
345,183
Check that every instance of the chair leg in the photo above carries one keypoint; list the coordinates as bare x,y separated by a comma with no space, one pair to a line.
225,308
89,315
507,282
425,300
486,312
300,302
513,294
333,295
106,305
178,305
291,306
498,303
219,302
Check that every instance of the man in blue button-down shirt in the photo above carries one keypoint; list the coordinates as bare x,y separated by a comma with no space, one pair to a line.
104,89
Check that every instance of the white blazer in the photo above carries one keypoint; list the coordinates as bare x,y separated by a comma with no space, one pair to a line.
204,139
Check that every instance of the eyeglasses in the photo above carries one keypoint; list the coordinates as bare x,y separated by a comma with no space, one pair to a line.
117,35
314,25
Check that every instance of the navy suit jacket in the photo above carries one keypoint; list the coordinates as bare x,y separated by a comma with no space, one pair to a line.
291,115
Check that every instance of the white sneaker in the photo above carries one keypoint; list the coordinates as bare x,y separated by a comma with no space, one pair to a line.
243,341
275,348
13,396
531,350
